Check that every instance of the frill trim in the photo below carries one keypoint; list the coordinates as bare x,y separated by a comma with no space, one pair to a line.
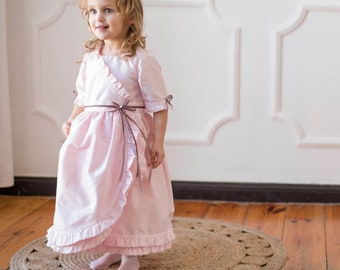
133,241
123,94
69,241
80,246
137,245
106,242
139,251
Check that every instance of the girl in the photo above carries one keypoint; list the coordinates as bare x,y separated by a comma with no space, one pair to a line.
114,194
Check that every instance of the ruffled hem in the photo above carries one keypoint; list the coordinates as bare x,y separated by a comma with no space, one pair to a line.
133,245
137,251
130,241
137,245
95,235
81,246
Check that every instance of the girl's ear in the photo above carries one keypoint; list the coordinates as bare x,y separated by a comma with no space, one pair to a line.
130,21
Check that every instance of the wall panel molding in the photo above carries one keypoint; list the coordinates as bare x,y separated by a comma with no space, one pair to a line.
280,32
40,107
224,117
231,113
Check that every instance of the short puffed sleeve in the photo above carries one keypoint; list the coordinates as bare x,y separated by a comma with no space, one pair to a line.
152,85
80,84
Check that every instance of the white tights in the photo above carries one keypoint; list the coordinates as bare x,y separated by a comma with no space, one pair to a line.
127,262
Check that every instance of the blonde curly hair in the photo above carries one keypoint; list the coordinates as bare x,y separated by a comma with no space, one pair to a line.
132,14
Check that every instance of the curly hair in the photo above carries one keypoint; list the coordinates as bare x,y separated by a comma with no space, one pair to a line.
132,14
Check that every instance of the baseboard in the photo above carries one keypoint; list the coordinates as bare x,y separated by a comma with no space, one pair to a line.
32,186
246,192
187,190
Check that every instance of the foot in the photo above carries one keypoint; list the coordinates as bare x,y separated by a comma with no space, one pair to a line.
105,261
129,263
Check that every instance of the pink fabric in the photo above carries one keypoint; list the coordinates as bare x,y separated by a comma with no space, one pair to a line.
96,210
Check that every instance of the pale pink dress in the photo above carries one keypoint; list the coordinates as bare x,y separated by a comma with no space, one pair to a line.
105,200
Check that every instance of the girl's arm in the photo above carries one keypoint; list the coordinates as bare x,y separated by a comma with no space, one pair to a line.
160,120
66,127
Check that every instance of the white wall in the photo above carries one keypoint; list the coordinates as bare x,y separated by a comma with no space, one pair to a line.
6,153
255,85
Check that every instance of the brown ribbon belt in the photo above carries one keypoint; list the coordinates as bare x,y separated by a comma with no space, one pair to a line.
126,123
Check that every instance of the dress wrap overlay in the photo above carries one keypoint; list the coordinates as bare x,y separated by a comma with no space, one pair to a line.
108,199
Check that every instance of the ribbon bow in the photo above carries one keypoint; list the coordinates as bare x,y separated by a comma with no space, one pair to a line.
126,124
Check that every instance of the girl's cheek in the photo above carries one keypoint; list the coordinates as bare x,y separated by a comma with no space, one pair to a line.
91,24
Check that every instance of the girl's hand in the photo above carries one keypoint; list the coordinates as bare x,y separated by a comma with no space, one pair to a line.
66,127
157,155
157,150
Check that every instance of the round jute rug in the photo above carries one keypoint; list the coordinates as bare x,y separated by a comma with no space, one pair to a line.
199,244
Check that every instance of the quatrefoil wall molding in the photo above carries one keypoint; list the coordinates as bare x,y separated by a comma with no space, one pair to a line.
280,33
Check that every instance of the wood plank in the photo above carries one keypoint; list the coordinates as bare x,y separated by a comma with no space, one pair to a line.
28,228
267,218
195,209
333,236
23,219
13,208
229,212
304,237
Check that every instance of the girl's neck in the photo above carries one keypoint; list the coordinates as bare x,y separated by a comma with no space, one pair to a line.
111,49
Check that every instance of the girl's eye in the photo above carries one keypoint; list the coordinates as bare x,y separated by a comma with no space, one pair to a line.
92,11
108,10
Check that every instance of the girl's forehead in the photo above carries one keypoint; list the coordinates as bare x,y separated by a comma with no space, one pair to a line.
101,2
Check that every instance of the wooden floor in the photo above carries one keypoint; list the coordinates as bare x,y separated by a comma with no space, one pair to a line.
309,232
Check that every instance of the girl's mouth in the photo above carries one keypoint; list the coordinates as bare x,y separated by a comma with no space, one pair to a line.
101,27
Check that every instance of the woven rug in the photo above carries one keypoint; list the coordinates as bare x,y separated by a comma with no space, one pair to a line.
199,244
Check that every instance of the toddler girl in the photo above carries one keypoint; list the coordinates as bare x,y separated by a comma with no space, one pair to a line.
114,194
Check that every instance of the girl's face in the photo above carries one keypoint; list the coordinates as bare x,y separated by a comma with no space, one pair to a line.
105,21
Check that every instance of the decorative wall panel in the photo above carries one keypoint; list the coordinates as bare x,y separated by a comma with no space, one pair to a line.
307,63
55,60
202,67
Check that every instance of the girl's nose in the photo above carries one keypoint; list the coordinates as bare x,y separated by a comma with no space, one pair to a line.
100,17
